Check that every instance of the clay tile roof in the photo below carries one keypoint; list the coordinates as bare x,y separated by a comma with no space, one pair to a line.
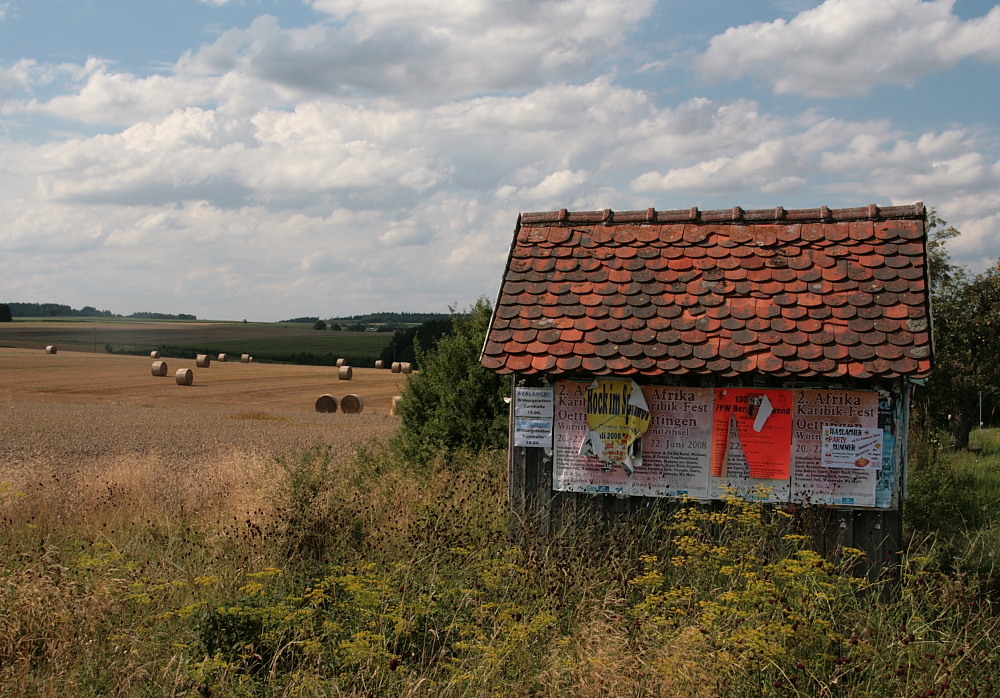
788,293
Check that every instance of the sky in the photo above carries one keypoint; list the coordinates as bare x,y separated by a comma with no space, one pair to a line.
272,159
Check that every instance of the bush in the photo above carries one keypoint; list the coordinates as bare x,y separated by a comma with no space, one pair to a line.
453,402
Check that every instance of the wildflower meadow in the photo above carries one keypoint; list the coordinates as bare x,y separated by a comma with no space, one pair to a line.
359,574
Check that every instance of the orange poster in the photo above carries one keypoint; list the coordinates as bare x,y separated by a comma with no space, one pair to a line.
763,421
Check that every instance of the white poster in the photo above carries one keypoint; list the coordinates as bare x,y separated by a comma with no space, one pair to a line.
675,449
854,448
812,483
533,409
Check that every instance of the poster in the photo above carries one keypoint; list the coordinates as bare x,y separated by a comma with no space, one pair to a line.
812,483
736,478
851,447
887,485
763,425
571,470
617,416
675,449
533,417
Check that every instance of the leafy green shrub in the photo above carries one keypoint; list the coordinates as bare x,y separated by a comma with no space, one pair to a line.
453,402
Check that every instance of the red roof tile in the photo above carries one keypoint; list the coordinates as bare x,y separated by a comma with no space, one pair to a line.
810,292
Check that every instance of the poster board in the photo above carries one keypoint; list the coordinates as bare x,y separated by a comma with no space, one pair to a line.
762,444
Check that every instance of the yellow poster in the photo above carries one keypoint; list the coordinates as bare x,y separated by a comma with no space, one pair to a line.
617,416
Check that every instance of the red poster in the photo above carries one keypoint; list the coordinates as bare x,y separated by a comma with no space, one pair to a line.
764,425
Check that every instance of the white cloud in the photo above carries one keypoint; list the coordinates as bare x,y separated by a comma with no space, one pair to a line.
847,47
378,160
426,50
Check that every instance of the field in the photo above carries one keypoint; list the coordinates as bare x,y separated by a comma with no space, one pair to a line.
75,406
262,340
224,539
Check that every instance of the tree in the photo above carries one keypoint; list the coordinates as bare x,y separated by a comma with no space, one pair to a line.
319,325
453,402
5,314
402,346
966,323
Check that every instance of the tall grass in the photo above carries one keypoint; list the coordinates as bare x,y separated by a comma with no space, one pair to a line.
357,575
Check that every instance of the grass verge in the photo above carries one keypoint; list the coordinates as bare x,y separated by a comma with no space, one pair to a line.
356,575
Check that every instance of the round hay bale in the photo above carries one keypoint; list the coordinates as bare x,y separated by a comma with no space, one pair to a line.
345,373
352,404
396,367
326,403
245,359
223,358
50,349
379,363
202,361
406,367
159,368
184,376
394,407
154,354
341,362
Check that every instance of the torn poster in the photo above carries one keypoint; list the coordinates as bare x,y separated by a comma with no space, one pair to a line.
617,416
763,421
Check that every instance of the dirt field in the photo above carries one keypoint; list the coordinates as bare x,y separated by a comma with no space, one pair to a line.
76,408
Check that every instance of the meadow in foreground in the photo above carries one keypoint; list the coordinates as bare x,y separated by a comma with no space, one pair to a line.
324,574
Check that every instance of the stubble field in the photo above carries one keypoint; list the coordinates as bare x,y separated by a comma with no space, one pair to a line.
73,409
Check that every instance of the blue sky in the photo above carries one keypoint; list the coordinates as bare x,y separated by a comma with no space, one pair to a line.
268,159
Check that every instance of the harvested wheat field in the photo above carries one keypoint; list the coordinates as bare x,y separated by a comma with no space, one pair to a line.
72,409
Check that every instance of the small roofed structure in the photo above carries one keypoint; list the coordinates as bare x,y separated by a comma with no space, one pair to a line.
775,330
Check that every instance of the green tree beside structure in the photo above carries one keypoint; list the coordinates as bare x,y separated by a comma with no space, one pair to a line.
453,402
966,329
5,314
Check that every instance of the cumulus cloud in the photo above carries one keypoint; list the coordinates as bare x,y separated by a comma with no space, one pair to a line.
426,50
380,157
847,47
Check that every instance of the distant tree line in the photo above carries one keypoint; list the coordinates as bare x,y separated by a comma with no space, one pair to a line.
407,344
397,319
377,322
161,316
55,310
5,314
60,310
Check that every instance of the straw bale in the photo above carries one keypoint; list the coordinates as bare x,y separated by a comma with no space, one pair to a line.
154,354
326,403
394,407
379,363
406,367
202,361
245,359
341,362
396,367
50,349
344,373
184,376
352,404
159,368
223,358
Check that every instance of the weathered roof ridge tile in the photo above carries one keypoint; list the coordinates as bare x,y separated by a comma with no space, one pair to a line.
736,214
